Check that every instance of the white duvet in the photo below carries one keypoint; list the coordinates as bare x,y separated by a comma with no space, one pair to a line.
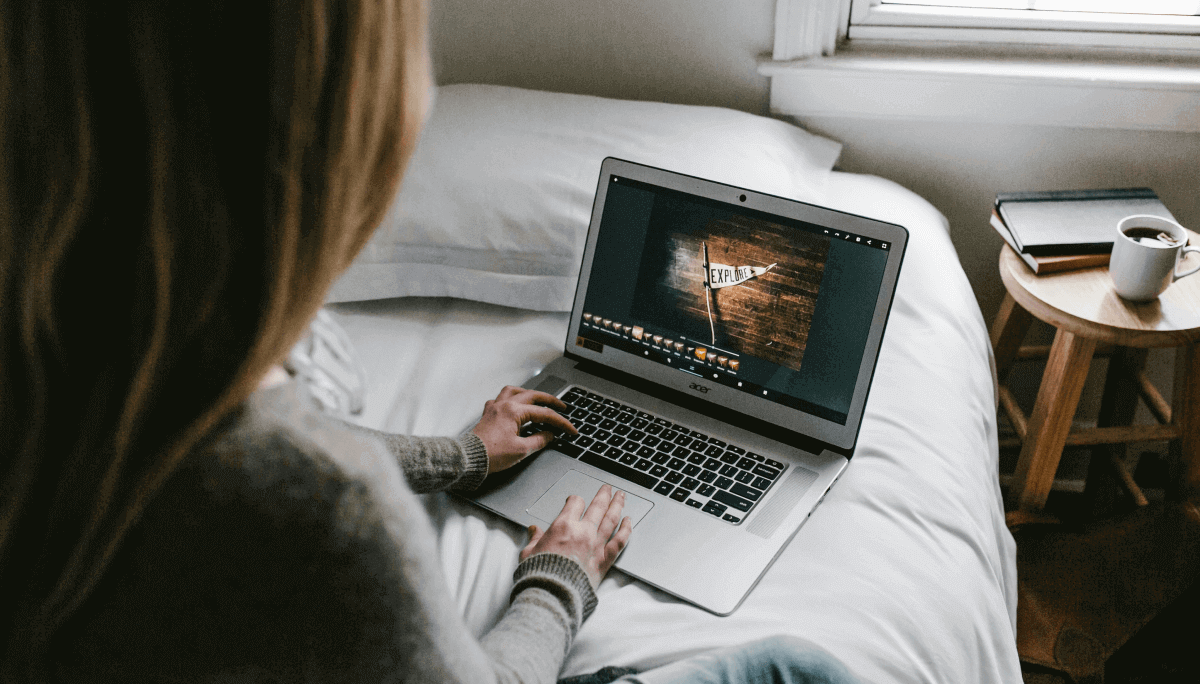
906,572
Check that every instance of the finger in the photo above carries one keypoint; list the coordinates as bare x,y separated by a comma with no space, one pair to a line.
545,416
612,516
536,442
536,397
572,510
616,545
595,510
535,535
509,391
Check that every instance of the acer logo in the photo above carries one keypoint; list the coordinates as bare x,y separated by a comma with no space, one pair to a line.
699,388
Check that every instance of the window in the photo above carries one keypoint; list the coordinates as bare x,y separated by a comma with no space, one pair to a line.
1125,64
1130,24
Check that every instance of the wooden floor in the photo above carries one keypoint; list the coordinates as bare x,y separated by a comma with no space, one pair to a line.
767,316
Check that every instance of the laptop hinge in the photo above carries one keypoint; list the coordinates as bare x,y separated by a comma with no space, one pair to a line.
721,413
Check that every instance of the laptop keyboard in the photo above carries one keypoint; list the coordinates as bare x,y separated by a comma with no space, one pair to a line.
723,480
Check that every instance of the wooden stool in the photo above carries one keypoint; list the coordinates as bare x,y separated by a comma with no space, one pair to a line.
1087,313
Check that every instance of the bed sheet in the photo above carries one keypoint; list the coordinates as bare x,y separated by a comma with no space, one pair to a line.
906,571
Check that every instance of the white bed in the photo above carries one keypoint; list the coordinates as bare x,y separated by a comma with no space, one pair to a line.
906,571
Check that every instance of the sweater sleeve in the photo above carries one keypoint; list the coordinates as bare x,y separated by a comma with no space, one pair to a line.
434,464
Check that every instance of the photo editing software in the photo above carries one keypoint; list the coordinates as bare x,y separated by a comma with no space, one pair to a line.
774,307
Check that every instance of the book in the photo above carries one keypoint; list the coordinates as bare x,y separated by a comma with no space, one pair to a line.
1072,222
1049,264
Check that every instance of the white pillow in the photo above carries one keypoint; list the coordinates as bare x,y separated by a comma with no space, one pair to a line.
495,204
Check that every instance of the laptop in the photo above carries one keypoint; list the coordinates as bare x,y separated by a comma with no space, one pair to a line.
719,353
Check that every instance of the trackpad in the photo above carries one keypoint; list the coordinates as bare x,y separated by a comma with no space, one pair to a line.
551,503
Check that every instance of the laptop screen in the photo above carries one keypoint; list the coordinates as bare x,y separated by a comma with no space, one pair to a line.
774,307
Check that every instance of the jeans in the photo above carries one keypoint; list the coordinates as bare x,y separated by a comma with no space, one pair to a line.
774,660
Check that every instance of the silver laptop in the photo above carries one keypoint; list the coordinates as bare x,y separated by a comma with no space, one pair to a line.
720,349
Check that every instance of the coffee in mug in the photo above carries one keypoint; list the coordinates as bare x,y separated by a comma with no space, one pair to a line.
1145,257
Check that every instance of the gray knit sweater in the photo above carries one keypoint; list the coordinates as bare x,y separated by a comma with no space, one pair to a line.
291,547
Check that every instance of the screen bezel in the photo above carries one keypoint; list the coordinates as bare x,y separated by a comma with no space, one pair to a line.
842,437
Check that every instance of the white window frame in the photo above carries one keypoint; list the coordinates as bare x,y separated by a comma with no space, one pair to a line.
873,20
824,66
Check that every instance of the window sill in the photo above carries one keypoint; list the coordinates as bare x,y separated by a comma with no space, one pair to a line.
1159,95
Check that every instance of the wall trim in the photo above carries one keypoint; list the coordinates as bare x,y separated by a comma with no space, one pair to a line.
1042,93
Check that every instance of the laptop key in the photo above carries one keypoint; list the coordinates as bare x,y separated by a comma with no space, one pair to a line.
614,453
615,440
745,492
761,483
654,429
634,476
639,423
629,459
683,440
682,452
645,416
763,471
587,429
689,483
645,452
744,477
723,483
732,501
712,464
730,457
603,435
717,442
611,403
608,424
636,434
716,508
680,494
731,518
745,464
652,441
660,457
610,412
714,451
622,429
693,503
592,419
598,447
706,476
774,464
691,470
674,477
699,435
572,450
676,464
728,471
664,488
737,450
625,418
660,421
697,459
706,490
659,471
751,454
630,445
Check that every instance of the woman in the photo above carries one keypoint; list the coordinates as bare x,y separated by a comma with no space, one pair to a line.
180,183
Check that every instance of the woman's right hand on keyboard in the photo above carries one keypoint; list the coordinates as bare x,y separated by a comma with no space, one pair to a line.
593,540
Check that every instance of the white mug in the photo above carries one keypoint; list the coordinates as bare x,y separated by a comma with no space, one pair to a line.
1141,268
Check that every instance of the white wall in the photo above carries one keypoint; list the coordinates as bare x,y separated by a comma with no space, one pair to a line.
705,52
683,51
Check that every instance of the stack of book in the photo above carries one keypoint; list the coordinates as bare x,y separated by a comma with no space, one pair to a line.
1063,230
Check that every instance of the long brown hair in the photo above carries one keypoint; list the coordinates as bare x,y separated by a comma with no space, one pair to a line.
180,183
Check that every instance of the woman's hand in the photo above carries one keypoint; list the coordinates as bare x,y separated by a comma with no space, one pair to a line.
585,540
499,428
